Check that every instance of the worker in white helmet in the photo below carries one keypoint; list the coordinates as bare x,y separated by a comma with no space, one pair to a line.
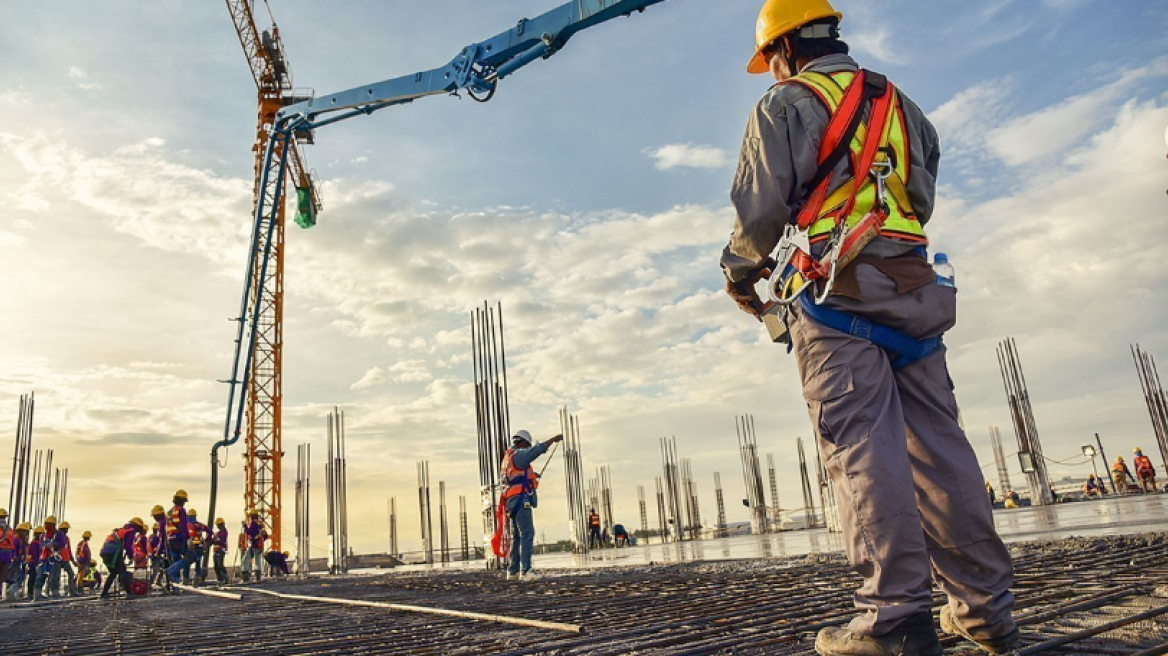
520,482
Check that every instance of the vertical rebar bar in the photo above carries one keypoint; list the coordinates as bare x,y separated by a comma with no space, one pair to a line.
720,531
808,501
1025,426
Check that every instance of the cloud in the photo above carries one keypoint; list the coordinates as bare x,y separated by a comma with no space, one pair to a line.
687,155
1051,130
880,43
15,98
375,377
77,73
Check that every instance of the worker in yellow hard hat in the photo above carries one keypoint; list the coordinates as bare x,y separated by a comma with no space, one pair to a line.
33,561
835,183
253,537
219,551
18,568
1144,471
54,546
8,546
156,545
1120,475
177,535
84,556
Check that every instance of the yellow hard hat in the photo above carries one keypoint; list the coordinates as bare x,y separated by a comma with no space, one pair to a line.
137,521
157,510
220,521
24,526
86,535
779,17
1138,450
252,512
192,513
38,530
64,526
181,494
51,519
3,512
1119,458
286,553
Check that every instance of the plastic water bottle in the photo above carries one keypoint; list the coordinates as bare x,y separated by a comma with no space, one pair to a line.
946,274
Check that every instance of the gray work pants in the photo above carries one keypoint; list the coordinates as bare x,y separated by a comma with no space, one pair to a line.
909,489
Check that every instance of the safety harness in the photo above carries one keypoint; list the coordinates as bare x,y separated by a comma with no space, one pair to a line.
831,219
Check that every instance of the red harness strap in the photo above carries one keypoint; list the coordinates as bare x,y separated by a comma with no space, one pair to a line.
836,131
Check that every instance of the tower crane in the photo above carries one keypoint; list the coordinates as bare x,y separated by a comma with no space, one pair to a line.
286,121
263,393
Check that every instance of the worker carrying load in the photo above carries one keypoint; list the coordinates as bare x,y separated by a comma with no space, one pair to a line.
1120,475
519,498
1145,471
118,546
837,179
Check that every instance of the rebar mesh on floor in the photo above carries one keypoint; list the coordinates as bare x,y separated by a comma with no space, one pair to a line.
1064,588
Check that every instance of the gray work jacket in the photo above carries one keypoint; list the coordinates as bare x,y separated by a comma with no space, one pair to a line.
780,155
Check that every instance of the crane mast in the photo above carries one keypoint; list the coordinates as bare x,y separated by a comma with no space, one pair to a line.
263,453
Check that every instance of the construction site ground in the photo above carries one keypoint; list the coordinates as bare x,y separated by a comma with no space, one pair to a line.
1077,595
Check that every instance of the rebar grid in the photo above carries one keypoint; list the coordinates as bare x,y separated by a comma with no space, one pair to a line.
1075,597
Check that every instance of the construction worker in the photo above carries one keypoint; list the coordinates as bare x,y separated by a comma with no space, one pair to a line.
177,534
219,551
1091,488
277,562
17,571
594,528
254,536
620,535
1145,471
157,545
7,549
117,547
84,557
65,564
520,498
199,535
33,563
50,562
990,492
1120,475
886,422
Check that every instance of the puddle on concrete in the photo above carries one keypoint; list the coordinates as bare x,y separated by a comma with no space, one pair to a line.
1109,516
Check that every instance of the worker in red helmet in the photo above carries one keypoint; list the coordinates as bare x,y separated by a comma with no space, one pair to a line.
835,183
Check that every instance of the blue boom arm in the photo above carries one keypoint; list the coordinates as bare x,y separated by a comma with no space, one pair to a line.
478,69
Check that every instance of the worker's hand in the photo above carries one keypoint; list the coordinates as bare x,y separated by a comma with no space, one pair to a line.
743,292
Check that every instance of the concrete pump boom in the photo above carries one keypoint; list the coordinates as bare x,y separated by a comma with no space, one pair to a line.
477,69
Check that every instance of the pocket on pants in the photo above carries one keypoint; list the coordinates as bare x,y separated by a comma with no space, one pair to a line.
825,392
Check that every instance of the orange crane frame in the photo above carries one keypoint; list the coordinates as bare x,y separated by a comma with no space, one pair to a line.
263,455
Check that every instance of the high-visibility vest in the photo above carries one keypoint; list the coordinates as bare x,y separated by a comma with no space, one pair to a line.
1119,468
66,551
594,520
173,522
1143,464
7,539
519,481
195,530
902,222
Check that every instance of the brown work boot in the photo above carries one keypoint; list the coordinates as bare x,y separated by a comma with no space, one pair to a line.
913,637
999,645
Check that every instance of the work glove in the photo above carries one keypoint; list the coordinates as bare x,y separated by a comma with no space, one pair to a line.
743,291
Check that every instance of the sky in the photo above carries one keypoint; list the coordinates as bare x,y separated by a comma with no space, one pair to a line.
590,198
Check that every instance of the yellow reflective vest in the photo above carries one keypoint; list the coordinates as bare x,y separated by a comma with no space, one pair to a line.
902,223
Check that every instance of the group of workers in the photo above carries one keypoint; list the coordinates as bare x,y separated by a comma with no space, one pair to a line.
1145,475
33,560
